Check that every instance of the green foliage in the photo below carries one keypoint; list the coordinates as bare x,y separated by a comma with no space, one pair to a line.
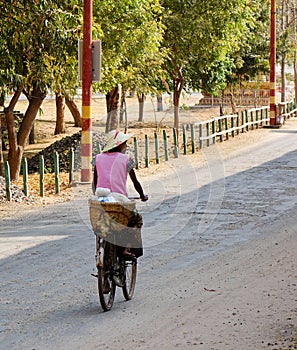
39,43
252,56
202,36
287,30
131,38
207,44
203,40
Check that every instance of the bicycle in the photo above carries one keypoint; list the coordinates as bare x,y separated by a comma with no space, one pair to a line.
113,269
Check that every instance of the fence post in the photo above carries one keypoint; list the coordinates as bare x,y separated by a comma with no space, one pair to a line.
157,148
175,140
98,148
7,180
184,140
226,127
165,145
193,138
252,119
71,165
261,116
56,164
41,176
214,139
232,126
257,119
267,116
220,129
237,123
147,160
247,119
208,134
200,136
136,153
242,121
25,175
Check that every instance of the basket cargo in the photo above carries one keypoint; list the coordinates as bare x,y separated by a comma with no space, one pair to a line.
109,215
118,223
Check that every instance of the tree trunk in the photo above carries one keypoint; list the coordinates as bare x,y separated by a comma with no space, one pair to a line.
112,104
141,98
255,99
159,103
178,88
15,151
233,104
60,114
1,151
74,111
295,75
123,110
283,78
222,104
295,52
17,142
32,135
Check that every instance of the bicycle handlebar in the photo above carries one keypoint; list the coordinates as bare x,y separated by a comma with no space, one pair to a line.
138,197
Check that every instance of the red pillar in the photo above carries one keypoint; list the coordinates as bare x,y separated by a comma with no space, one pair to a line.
86,139
273,63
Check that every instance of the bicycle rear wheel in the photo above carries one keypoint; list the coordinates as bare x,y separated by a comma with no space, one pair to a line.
106,286
130,271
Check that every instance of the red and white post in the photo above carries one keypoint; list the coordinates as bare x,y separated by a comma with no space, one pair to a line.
86,139
273,63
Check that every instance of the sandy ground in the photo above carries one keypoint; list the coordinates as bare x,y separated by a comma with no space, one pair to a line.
219,269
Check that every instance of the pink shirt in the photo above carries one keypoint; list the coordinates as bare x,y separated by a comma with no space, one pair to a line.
112,170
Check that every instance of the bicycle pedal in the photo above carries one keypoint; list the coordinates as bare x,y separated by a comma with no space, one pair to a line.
94,275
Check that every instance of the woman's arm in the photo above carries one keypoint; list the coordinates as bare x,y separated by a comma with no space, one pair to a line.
94,185
137,185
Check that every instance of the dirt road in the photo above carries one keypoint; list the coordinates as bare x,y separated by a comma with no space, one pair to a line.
219,269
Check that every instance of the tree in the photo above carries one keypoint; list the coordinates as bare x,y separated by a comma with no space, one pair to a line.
37,46
251,60
131,37
60,108
294,59
201,35
287,40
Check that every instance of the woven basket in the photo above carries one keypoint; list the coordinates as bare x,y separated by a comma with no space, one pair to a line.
103,212
109,221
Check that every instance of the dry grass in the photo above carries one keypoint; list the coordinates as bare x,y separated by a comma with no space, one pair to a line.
33,183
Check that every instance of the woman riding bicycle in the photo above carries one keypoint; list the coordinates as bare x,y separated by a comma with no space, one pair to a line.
112,167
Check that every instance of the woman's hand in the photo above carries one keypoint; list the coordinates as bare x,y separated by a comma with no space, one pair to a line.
144,198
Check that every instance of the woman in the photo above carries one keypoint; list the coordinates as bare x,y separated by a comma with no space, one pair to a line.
112,167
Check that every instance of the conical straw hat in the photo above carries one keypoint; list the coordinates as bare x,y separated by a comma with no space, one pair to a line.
115,138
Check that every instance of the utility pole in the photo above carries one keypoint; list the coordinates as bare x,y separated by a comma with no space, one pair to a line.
273,63
86,137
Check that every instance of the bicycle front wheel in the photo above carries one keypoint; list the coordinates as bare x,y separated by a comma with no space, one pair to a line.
106,286
130,270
